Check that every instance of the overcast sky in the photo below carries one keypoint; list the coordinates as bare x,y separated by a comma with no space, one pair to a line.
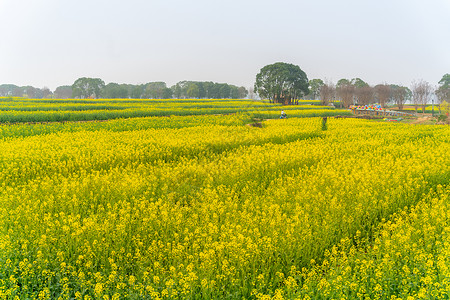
54,42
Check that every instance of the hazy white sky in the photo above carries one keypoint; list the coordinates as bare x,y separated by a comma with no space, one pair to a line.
54,42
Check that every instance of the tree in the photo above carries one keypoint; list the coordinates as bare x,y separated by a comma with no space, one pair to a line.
46,93
137,91
345,91
359,83
314,86
421,94
87,87
445,81
365,95
114,90
8,89
251,93
443,91
327,92
363,92
400,94
63,92
281,83
383,93
157,90
193,91
242,92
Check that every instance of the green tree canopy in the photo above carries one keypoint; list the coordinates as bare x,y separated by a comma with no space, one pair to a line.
314,86
281,83
359,83
63,92
208,90
87,87
445,81
114,90
443,91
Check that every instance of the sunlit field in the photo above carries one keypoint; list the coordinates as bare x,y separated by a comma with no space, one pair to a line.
206,207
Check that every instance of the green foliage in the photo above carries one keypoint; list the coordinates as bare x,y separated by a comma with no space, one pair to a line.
281,83
113,90
208,90
314,86
445,81
342,82
443,92
193,91
359,83
63,92
87,87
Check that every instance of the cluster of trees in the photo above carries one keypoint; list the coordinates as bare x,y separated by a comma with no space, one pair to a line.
286,83
96,88
208,89
357,91
13,90
279,82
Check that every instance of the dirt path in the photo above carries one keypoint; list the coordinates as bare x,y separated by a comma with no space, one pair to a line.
422,120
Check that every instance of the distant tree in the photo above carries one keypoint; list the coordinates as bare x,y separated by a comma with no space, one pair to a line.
156,90
443,91
421,94
63,92
345,91
136,91
314,87
399,95
192,91
359,83
383,93
206,89
224,91
19,92
242,92
234,92
46,93
364,95
327,93
7,89
114,90
445,81
281,83
31,92
87,87
342,82
363,92
251,93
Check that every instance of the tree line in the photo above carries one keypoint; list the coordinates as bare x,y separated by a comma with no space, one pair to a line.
357,92
279,83
96,88
287,83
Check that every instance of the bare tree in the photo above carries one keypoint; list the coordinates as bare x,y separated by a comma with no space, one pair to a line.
421,94
327,93
383,93
365,95
251,93
399,94
345,92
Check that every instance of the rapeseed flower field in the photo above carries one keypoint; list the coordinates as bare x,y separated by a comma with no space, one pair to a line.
17,110
203,207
